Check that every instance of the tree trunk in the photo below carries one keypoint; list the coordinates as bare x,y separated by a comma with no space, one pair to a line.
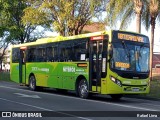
152,44
62,33
138,23
0,65
138,6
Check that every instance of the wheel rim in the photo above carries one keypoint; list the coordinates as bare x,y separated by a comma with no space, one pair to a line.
83,89
32,84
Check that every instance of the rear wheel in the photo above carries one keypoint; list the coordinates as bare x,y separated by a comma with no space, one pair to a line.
82,89
32,83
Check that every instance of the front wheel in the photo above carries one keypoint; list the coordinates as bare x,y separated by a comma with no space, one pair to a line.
32,83
83,89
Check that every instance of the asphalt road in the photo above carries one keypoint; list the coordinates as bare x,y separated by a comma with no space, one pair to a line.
18,101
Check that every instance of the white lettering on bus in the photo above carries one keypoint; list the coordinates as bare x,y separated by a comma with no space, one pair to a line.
34,68
40,69
44,69
68,69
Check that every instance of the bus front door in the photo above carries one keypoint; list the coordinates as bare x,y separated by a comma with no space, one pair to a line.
22,66
95,58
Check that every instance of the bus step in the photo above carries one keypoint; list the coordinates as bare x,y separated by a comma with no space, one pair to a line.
94,91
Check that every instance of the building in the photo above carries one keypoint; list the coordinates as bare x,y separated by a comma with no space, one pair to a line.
93,27
156,64
5,66
156,60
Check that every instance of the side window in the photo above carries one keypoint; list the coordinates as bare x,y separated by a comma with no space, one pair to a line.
15,55
31,54
69,52
65,50
80,48
61,52
52,52
41,54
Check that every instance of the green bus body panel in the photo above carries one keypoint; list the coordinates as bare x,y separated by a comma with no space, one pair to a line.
56,75
64,74
51,75
14,72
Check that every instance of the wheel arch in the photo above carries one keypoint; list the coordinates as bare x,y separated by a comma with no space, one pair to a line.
79,78
31,74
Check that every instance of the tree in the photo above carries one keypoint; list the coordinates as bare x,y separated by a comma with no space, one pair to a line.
154,10
124,11
12,31
66,16
11,12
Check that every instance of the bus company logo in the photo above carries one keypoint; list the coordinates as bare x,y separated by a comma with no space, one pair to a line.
6,114
69,69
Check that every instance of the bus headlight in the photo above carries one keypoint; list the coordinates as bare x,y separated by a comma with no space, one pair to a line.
118,82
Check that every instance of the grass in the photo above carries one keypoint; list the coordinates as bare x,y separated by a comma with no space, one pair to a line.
155,87
5,76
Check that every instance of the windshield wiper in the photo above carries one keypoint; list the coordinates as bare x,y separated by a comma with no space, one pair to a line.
126,49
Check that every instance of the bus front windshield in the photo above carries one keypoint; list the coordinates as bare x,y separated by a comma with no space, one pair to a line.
130,57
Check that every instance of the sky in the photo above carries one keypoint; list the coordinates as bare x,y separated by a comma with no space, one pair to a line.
148,33
132,28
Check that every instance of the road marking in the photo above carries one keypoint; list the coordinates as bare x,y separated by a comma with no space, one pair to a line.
109,103
41,108
24,95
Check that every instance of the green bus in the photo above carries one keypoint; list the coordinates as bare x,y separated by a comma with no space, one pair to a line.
109,62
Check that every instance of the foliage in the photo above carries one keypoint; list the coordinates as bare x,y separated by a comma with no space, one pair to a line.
66,16
152,10
125,11
120,10
11,12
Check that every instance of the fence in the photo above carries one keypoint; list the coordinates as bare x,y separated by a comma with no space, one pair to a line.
156,73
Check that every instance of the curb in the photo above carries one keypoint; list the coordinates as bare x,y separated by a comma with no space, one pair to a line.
142,97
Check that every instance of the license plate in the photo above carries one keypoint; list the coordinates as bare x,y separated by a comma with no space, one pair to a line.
135,89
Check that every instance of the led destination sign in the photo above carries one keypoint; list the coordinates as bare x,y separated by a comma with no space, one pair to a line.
130,37
118,36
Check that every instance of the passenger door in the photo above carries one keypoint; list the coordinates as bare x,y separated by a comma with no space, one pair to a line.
22,65
98,61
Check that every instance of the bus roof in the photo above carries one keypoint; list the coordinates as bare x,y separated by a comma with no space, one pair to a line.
61,38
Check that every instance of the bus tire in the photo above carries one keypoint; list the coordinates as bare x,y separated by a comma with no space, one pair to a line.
32,83
82,89
116,96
